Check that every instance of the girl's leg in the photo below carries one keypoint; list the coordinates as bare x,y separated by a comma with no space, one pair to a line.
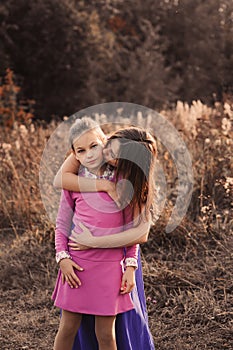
69,325
105,332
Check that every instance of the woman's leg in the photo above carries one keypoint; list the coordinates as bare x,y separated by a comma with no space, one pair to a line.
105,332
69,325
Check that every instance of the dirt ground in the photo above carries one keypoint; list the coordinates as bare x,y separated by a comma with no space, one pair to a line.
188,285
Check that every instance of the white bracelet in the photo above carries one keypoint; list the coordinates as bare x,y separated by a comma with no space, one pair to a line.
62,255
131,262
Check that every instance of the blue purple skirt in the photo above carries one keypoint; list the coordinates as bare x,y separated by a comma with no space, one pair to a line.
132,329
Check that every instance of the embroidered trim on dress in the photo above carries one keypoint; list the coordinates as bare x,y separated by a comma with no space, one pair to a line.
131,262
62,255
108,174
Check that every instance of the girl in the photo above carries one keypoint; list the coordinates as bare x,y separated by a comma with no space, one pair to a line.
132,329
102,274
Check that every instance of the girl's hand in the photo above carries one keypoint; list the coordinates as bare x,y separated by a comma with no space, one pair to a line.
78,246
67,267
128,280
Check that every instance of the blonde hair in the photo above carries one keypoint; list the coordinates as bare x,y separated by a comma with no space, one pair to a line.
82,125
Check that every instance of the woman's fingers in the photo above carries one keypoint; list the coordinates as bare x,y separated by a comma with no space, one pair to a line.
83,237
74,236
77,246
84,228
74,246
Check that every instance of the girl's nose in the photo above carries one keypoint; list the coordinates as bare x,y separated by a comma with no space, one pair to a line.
89,154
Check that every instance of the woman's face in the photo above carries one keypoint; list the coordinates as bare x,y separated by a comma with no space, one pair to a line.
111,151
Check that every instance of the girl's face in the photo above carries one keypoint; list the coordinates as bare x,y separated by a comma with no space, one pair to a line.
88,149
111,151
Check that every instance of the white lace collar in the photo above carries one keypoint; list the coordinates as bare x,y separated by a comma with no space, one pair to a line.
108,173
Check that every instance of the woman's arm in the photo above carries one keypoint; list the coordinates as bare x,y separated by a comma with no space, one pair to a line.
68,179
137,234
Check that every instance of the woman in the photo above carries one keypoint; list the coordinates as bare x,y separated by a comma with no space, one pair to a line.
132,151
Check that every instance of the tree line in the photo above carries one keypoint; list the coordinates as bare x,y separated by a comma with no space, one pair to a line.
70,54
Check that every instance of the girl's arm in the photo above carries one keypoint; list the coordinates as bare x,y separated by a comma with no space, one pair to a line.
62,230
137,234
68,179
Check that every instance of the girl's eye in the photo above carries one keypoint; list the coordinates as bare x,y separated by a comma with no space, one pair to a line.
93,146
80,151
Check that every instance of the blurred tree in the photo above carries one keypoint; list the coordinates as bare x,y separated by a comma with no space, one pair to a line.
70,54
43,41
130,65
200,46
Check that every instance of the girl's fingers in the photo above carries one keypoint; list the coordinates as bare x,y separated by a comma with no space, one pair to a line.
77,267
68,281
126,287
123,286
73,281
129,288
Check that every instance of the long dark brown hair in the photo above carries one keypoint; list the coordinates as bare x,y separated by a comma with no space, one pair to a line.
136,163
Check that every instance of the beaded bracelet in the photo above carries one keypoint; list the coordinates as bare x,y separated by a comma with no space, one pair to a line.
62,255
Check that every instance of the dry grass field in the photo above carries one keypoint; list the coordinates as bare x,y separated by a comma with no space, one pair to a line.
188,273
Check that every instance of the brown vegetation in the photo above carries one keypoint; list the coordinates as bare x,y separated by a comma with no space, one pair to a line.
187,273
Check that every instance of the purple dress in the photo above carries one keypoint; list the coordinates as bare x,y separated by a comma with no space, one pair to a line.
132,329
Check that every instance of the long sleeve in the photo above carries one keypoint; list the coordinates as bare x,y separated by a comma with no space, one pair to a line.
64,221
131,252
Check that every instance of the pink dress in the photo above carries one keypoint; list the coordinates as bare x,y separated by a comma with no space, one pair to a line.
99,293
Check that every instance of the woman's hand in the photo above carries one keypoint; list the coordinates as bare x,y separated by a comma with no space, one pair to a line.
128,280
67,267
78,246
85,238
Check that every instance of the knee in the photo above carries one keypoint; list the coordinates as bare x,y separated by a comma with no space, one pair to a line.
105,338
69,329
